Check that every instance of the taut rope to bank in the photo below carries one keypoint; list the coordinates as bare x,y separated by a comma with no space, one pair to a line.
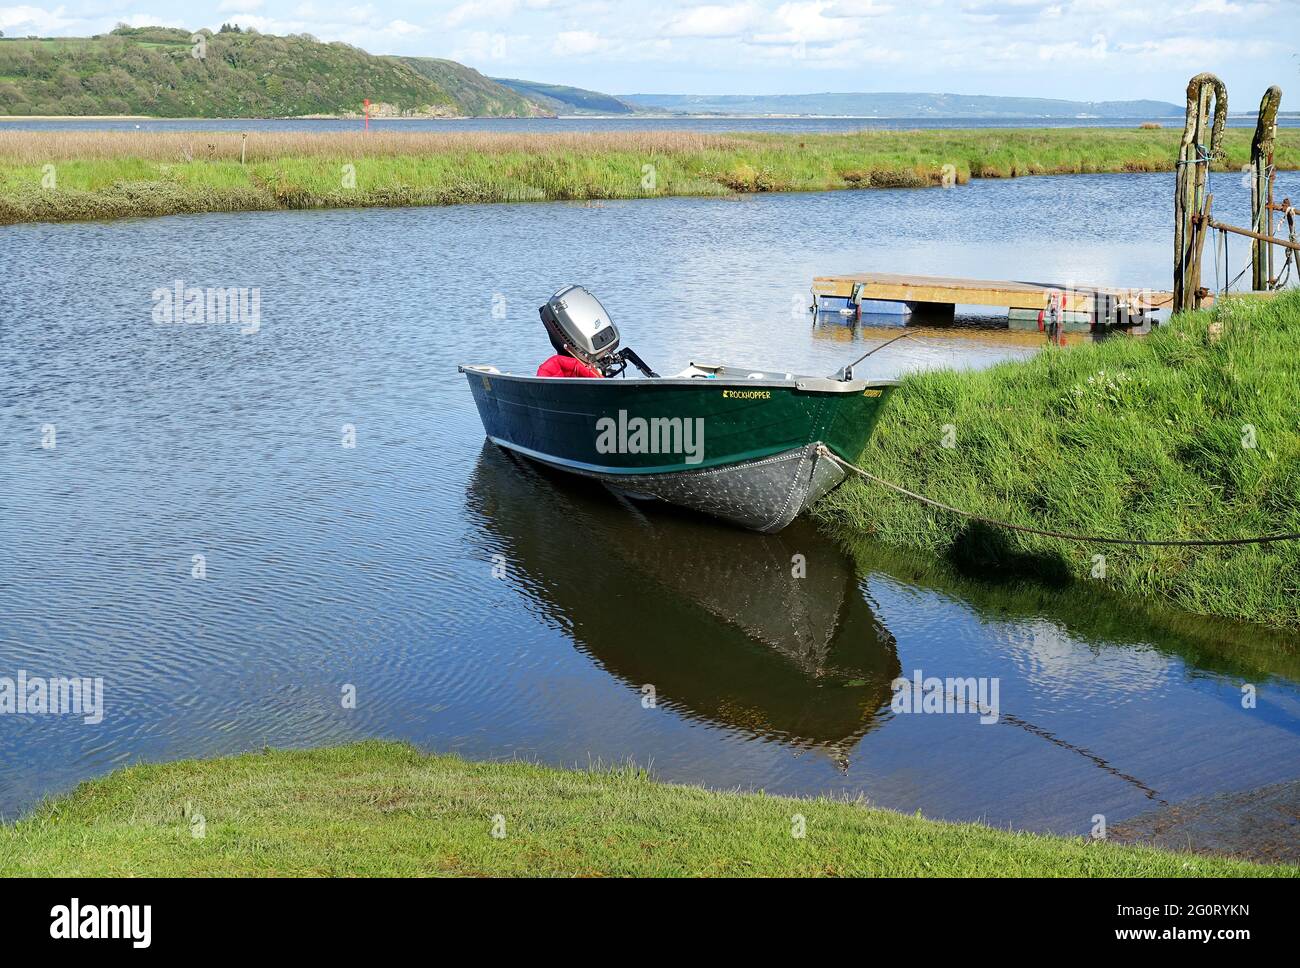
824,451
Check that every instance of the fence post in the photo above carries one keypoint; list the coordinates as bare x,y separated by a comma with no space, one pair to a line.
1261,189
1201,145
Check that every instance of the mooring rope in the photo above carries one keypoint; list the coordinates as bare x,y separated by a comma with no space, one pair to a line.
847,372
824,451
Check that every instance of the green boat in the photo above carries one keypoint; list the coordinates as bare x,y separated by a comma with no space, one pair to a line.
740,444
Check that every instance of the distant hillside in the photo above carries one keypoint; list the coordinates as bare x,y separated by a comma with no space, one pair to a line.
476,94
567,100
901,106
241,74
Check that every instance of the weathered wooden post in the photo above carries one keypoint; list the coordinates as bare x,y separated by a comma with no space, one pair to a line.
1200,229
1200,146
1261,189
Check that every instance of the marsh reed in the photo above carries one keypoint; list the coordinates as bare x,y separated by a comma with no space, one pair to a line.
62,175
41,147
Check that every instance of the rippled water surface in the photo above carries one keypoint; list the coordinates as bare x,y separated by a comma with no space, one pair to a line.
482,606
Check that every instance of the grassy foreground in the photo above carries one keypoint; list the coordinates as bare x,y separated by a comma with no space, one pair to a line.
62,175
386,809
1191,432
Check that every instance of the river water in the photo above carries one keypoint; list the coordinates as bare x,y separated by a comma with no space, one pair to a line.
476,605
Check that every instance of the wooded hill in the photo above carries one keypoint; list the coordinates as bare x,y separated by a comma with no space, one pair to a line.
169,72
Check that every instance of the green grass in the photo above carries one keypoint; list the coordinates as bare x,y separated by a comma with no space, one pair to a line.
1140,438
386,809
115,174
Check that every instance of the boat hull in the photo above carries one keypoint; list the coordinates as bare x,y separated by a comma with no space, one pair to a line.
745,450
762,495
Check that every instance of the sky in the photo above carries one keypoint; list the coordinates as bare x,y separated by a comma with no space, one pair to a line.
1088,50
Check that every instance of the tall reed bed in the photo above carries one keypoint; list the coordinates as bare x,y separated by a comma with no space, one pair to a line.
60,175
41,147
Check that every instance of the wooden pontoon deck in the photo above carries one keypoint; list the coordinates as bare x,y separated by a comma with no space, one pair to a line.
1100,303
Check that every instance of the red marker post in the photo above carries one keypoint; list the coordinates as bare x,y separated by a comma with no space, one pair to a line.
366,102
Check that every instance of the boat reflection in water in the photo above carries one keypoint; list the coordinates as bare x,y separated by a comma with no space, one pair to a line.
714,618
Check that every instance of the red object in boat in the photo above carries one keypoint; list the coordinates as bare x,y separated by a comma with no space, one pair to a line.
559,365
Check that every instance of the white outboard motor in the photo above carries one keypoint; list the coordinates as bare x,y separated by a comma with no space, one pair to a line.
578,326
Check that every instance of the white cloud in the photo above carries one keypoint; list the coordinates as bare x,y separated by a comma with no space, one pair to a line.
472,11
570,43
1074,51
480,46
1234,8
1192,50
401,28
475,10
1010,11
799,55
806,22
34,19
713,20
239,6
859,8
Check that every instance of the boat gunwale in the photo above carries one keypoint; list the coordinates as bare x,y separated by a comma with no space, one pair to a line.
825,385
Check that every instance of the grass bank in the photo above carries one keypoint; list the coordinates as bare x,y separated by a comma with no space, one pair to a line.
63,175
386,809
1191,432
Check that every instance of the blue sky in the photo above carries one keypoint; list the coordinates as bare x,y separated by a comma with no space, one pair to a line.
1078,49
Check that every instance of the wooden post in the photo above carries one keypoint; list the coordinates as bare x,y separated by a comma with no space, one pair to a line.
1261,189
1200,146
1200,229
243,148
1291,260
